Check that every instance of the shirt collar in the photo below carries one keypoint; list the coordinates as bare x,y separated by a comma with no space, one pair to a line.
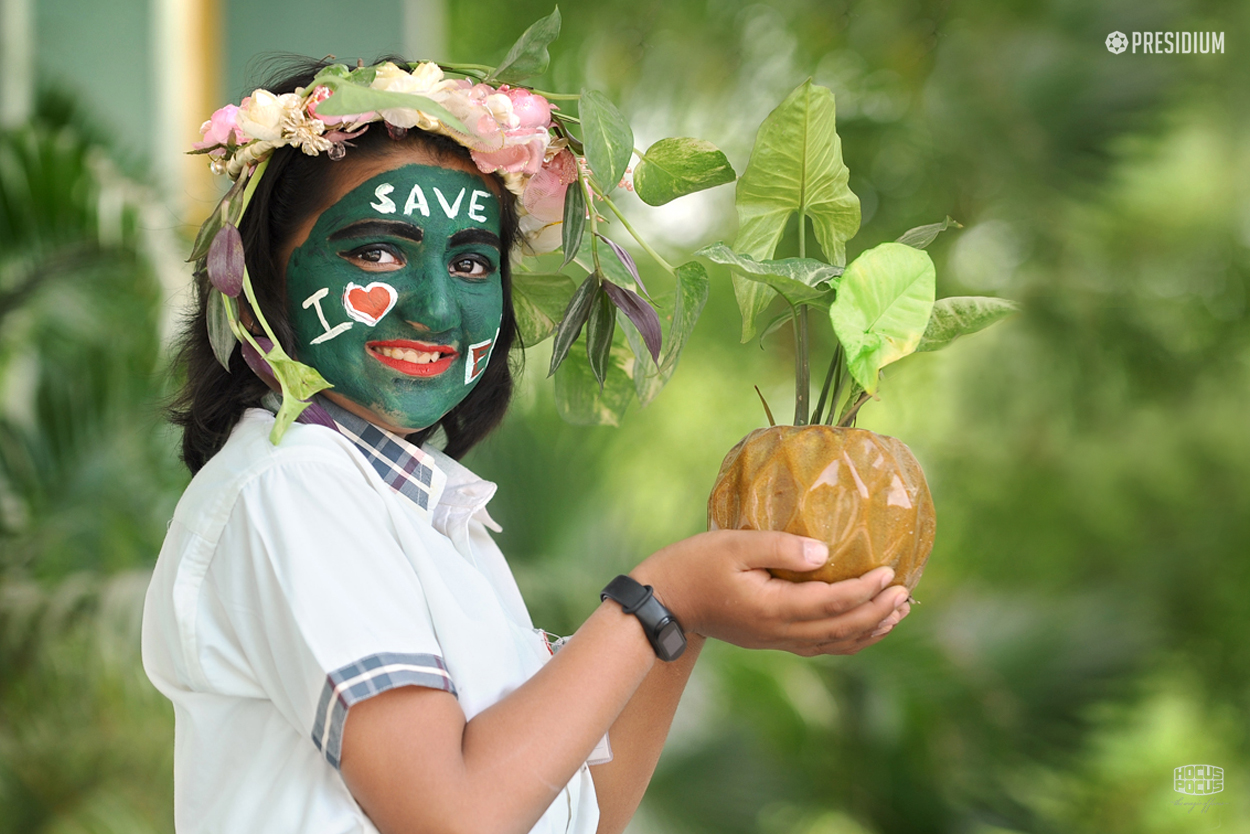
443,491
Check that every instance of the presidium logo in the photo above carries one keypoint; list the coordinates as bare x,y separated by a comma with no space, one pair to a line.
1198,780
1168,43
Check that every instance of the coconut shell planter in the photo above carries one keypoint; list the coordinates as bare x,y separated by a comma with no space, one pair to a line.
862,493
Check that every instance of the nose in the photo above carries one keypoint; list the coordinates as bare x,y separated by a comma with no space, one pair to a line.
429,304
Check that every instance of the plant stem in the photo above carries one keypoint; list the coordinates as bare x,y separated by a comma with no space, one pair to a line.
646,248
843,376
824,389
802,381
849,418
558,96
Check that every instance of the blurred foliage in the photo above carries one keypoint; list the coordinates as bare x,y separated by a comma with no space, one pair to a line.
88,477
1082,619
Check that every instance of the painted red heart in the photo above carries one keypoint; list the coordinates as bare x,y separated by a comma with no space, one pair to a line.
369,304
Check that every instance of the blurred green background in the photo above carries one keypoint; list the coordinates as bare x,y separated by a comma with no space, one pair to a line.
1084,619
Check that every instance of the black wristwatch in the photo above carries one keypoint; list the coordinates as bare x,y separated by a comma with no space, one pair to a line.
661,627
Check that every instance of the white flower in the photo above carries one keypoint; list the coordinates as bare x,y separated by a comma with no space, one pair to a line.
540,237
420,81
261,114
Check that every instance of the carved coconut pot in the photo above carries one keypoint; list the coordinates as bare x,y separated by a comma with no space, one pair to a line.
862,493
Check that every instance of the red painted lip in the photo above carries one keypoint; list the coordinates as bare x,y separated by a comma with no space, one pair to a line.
448,356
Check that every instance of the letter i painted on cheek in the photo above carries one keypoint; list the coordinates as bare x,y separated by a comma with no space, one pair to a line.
478,358
314,300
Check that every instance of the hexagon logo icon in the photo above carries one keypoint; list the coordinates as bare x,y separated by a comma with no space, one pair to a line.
1117,42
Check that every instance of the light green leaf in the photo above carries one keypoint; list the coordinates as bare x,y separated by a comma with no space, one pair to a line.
673,168
528,56
349,99
922,236
608,139
961,315
882,308
579,399
796,166
220,334
692,293
539,300
798,280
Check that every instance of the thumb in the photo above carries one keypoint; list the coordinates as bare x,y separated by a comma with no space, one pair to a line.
769,549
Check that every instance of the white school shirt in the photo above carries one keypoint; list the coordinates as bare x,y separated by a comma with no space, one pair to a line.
294,582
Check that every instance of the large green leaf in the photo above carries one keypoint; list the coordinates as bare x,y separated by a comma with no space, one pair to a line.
691,295
796,166
528,56
673,168
540,299
579,399
608,138
961,315
798,280
882,308
349,100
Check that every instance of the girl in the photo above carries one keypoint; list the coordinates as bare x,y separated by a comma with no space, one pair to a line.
344,645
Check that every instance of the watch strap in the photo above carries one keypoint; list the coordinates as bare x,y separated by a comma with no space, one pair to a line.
658,623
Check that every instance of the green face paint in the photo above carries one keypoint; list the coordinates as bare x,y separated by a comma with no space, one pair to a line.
395,297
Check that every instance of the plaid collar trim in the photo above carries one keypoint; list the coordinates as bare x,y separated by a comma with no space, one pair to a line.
407,469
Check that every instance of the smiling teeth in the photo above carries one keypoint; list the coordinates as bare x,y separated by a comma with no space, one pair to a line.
408,355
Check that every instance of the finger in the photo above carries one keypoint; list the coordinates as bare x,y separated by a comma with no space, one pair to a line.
855,624
753,549
818,600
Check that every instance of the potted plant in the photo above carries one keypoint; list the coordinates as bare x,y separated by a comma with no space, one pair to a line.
863,493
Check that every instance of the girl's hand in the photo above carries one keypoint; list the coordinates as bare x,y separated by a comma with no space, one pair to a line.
717,585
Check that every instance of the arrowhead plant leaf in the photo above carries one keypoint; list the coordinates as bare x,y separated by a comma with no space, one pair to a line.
673,168
608,138
798,280
795,167
960,316
883,307
582,402
528,56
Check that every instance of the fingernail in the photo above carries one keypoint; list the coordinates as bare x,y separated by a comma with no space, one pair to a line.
887,576
882,630
901,596
815,552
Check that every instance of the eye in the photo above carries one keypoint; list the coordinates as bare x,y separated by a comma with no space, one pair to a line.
375,257
471,266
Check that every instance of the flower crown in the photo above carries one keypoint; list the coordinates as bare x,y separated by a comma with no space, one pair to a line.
510,131
507,130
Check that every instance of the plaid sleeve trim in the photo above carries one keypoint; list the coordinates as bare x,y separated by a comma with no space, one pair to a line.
365,678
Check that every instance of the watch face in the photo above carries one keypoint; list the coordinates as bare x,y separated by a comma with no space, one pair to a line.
671,640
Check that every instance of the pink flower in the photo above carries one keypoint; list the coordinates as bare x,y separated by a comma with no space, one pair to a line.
544,196
530,109
217,130
517,156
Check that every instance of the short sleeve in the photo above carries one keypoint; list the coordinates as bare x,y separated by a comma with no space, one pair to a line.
322,603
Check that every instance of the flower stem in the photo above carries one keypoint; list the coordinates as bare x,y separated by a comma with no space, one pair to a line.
557,96
646,248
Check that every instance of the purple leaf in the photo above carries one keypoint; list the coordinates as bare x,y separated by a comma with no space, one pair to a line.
628,260
640,313
315,415
257,362
225,261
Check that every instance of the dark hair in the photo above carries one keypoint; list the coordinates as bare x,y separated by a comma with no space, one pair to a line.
212,400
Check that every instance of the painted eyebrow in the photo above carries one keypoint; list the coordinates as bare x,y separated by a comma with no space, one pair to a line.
476,236
378,228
